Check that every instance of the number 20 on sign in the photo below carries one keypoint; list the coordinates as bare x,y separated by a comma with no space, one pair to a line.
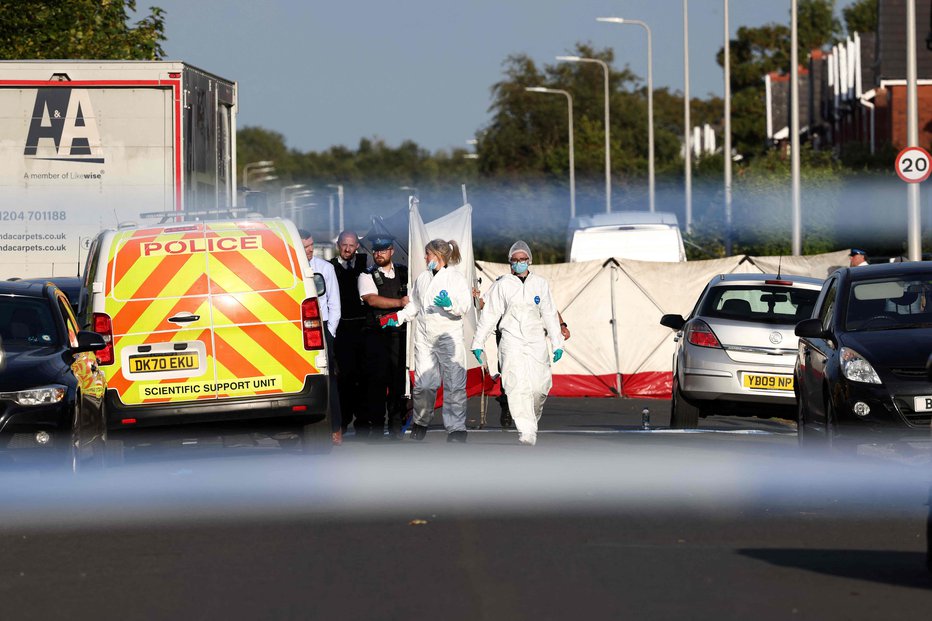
912,165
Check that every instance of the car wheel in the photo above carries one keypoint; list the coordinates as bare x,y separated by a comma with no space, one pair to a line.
683,415
316,439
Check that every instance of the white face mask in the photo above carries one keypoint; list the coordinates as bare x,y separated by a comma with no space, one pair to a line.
432,266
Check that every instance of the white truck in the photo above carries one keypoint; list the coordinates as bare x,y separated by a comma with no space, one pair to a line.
638,235
87,145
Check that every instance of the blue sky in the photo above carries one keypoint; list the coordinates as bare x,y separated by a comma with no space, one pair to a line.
328,73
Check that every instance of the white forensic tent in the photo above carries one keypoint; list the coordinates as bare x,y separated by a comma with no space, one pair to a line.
613,309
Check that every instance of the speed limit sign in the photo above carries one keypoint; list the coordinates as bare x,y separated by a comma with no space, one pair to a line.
913,165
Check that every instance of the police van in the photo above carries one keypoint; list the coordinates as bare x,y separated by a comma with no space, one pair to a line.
208,322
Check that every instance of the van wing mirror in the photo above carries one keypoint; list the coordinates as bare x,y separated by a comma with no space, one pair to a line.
89,341
811,328
320,284
675,322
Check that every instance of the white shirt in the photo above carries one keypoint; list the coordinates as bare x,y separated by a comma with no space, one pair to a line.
330,310
366,284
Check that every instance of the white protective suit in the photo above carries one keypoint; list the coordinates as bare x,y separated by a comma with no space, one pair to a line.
525,309
439,350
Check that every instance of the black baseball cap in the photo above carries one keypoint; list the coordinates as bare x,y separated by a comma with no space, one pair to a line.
856,251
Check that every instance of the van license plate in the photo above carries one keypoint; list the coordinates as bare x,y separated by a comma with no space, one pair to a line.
157,363
768,382
922,404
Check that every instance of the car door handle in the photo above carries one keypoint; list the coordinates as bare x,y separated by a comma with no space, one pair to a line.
184,317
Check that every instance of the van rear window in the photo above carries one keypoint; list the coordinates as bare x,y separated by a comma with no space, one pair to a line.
759,303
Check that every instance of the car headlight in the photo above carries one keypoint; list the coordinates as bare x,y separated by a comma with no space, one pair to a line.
44,395
856,368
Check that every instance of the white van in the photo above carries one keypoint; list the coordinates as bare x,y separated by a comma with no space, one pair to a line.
638,235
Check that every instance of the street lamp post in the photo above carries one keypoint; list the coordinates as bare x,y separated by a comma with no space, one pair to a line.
262,166
687,124
913,237
650,98
608,150
569,101
726,150
286,190
794,130
294,203
339,189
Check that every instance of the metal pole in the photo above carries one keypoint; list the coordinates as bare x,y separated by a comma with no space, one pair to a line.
569,102
687,124
914,242
650,115
727,147
794,130
330,212
608,148
650,100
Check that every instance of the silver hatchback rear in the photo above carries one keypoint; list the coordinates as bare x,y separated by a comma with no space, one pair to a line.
736,351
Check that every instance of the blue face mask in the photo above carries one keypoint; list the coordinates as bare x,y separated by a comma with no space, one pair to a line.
519,267
432,266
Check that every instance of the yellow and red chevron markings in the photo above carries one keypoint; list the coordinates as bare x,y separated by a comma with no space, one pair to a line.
243,280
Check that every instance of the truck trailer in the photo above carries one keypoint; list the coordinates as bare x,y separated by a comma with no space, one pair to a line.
87,145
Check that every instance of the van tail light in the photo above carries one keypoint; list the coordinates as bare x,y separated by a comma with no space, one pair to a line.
700,334
311,324
104,327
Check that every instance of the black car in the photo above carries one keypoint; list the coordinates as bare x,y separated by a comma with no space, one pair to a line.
51,390
860,374
71,286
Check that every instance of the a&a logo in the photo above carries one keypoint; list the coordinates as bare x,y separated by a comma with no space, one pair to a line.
64,116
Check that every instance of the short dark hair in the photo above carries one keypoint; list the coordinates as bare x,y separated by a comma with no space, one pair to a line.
304,233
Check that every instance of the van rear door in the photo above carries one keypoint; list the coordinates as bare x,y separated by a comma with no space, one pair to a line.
158,298
257,287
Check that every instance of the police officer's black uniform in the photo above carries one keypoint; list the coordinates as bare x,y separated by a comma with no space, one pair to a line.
385,359
349,347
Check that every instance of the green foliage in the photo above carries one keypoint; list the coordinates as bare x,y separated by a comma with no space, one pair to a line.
79,29
861,16
755,52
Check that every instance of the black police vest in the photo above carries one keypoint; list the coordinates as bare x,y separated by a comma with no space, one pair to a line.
396,287
351,307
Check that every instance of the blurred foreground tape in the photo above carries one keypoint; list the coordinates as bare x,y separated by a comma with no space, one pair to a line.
417,522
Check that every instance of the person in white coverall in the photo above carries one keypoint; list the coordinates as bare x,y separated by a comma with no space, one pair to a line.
521,305
439,300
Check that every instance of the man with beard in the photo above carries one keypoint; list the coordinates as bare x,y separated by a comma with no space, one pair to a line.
383,289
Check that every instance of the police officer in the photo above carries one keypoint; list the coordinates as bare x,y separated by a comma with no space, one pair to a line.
383,289
350,351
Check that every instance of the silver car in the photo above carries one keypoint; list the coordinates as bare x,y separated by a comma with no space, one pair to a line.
736,351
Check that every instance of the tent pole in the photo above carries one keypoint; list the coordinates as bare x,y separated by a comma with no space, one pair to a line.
615,336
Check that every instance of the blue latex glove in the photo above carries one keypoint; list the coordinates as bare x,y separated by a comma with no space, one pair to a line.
557,354
478,354
443,300
391,323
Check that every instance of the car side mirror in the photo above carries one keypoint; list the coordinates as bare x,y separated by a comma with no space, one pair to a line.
89,341
811,328
320,284
674,322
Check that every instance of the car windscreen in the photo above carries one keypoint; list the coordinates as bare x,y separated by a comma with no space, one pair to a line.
27,323
891,303
770,304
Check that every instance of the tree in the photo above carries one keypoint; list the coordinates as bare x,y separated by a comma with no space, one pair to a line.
755,52
861,16
81,29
